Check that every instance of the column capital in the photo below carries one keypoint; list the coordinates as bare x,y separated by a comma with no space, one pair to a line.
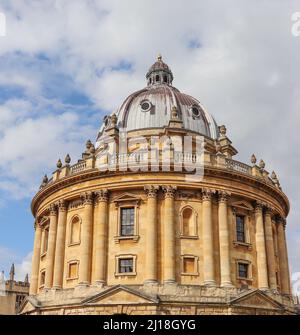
37,224
169,191
223,196
207,194
259,206
269,210
87,198
53,209
281,221
101,195
151,190
62,205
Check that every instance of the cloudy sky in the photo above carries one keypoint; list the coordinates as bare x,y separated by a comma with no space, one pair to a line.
65,64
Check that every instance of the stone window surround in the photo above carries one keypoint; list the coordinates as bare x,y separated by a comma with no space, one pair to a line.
70,244
122,256
195,214
244,261
128,203
46,226
247,220
42,271
196,271
73,261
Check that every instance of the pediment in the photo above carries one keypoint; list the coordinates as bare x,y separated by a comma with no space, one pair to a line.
256,299
120,295
127,197
28,305
243,205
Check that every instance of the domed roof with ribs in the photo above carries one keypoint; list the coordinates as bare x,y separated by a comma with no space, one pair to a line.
151,106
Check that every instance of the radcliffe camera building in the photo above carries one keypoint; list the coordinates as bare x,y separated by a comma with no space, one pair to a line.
110,239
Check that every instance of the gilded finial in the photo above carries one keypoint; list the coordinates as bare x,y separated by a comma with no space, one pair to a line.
159,57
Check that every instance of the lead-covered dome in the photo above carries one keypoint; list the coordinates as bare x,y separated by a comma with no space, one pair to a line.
152,106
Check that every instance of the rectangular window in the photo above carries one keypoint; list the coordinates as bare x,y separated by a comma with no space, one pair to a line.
243,270
125,265
42,281
73,270
127,221
189,265
240,228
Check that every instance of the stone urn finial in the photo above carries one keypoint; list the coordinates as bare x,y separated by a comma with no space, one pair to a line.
174,113
218,148
113,120
262,164
68,159
253,159
223,131
59,164
45,179
273,175
88,144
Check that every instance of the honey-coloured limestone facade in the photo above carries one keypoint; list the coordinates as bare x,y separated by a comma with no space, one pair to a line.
113,235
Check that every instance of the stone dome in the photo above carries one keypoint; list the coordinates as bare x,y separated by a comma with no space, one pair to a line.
151,107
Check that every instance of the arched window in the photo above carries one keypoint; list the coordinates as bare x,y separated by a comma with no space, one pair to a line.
75,230
188,222
165,79
157,78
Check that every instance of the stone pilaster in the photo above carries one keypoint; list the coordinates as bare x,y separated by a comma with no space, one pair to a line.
60,245
36,259
86,239
100,229
283,257
224,240
51,247
151,235
262,271
169,235
207,235
270,249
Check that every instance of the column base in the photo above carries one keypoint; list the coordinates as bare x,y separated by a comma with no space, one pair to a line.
264,288
100,283
170,281
83,284
150,282
209,283
56,287
227,285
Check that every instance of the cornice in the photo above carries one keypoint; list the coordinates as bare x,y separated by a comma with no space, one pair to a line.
209,172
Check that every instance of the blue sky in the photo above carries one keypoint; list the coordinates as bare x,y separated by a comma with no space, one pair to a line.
65,64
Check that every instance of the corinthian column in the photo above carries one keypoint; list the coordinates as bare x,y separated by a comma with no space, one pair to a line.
151,234
283,257
60,245
51,247
86,240
262,271
207,233
169,235
35,259
224,240
101,237
270,249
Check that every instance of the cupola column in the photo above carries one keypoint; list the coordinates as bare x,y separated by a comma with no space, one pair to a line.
60,245
262,271
270,249
86,240
151,236
224,240
100,229
283,257
36,259
169,235
207,233
51,247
